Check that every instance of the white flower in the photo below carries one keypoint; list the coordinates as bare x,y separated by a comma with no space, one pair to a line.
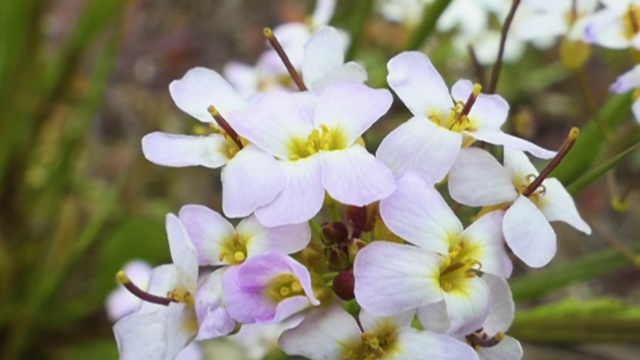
626,82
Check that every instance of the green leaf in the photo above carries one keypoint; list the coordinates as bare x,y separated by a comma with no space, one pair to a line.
97,350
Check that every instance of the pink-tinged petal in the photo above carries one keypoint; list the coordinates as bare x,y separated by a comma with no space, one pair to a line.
142,336
518,165
351,109
257,340
181,328
208,231
484,240
557,205
412,344
489,110
420,145
501,307
244,305
627,81
528,233
301,198
286,239
433,317
418,84
183,150
251,179
272,122
511,142
321,334
355,177
163,279
191,352
183,253
418,213
392,278
478,179
468,307
302,274
374,324
211,312
323,53
323,12
349,72
200,88
508,349
243,77
285,309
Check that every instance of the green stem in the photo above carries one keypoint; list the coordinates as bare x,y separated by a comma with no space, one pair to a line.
333,210
429,19
576,330
497,67
315,229
363,11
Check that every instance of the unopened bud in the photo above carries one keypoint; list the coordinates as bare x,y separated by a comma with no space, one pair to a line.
343,285
335,233
355,246
337,259
362,218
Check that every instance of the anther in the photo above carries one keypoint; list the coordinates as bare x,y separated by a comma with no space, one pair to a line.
297,79
224,125
481,339
139,293
564,150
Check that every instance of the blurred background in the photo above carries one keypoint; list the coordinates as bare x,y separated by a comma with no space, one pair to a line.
82,81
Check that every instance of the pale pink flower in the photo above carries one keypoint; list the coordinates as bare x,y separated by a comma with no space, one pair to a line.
613,26
630,80
120,301
442,123
317,150
477,179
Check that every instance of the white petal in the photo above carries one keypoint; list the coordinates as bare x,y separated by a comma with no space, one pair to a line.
163,279
355,177
200,88
184,150
285,239
183,253
635,108
323,53
350,109
301,198
434,317
419,345
489,110
501,307
372,324
321,334
420,145
349,72
181,328
508,349
243,77
141,336
418,213
323,12
469,307
512,142
478,179
627,81
557,205
418,84
251,179
518,165
528,233
213,319
535,26
208,231
272,122
484,239
391,278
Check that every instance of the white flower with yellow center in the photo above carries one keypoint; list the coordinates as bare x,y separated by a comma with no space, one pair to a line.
617,25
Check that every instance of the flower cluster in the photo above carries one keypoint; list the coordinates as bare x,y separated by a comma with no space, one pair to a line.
395,274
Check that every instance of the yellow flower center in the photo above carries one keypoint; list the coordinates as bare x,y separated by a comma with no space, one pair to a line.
458,119
372,345
322,139
284,286
234,250
459,266
524,183
230,147
631,22
182,296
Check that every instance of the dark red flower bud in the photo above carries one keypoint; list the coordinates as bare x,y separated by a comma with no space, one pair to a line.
343,285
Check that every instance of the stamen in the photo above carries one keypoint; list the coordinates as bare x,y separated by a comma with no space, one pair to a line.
139,293
224,125
477,88
268,33
564,150
481,339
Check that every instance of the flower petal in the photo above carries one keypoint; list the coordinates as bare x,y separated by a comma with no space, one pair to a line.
321,334
322,53
374,324
251,179
418,84
542,25
490,110
418,213
184,150
518,165
392,278
301,198
483,238
351,108
323,12
349,72
242,305
413,344
508,349
272,123
420,145
467,307
183,253
355,177
163,279
243,77
627,81
557,205
528,233
141,336
181,328
512,142
478,179
434,317
211,312
208,231
501,307
200,88
284,239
